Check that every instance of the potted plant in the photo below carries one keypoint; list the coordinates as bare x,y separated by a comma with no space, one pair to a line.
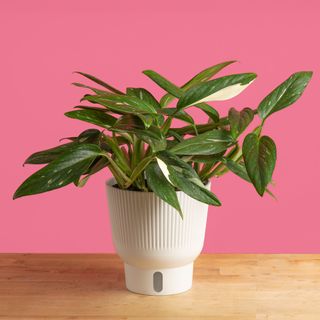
159,196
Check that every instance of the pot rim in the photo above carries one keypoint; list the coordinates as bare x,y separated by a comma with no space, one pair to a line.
110,183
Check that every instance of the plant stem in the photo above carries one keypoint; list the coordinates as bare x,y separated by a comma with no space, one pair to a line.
118,178
196,167
221,169
207,167
120,158
136,154
116,167
201,128
166,126
138,170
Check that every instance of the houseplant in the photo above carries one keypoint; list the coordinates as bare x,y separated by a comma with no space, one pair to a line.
160,192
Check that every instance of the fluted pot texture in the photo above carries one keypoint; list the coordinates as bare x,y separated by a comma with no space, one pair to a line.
157,246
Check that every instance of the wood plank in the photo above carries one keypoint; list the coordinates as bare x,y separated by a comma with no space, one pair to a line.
91,286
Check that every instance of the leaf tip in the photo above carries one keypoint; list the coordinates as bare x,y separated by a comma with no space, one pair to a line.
86,97
233,61
253,76
271,194
217,203
16,195
147,72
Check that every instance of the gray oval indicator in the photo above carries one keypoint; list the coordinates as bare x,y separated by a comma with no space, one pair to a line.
157,281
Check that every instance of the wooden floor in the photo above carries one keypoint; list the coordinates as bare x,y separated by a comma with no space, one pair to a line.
237,287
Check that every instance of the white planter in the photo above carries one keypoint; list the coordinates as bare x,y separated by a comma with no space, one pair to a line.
158,247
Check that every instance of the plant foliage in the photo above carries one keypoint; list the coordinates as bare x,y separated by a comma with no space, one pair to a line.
145,149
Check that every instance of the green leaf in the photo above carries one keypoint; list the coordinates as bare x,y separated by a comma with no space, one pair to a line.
175,135
89,136
240,170
122,103
259,155
147,97
211,142
239,120
178,114
178,92
200,77
209,159
192,189
95,90
285,94
100,82
158,183
60,172
122,109
216,90
153,137
129,122
183,176
171,143
207,74
124,138
97,165
160,120
237,168
271,194
48,155
163,83
211,112
98,118
144,95
92,108
166,99
171,159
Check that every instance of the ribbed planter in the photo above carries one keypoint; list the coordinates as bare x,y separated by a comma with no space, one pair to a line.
157,246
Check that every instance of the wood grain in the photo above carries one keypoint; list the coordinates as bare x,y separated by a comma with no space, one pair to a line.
91,286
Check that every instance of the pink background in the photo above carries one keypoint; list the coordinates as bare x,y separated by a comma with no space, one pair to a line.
42,42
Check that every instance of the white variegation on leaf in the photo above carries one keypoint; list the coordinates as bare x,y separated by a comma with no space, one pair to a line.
164,169
219,89
226,93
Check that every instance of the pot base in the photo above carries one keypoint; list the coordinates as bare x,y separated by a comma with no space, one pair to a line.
158,281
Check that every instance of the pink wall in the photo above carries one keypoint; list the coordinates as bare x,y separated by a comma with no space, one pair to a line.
42,42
